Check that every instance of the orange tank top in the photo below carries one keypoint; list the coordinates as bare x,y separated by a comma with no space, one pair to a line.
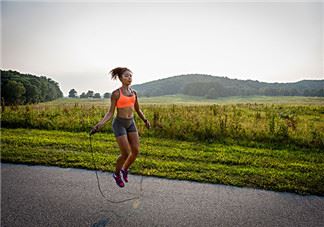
125,101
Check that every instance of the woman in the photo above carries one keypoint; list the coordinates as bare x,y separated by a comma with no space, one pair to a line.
124,127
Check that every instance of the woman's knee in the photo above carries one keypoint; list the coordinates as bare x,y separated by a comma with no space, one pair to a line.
124,155
135,150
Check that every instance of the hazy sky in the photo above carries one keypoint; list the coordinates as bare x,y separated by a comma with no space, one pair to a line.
76,43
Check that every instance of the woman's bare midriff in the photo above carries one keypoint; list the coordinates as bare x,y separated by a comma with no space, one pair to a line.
126,112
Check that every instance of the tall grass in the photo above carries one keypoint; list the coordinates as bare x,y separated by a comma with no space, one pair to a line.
246,123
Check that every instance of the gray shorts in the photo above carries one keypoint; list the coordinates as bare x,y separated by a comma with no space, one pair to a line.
121,126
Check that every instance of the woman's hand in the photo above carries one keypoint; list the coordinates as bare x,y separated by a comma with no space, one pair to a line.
147,124
95,129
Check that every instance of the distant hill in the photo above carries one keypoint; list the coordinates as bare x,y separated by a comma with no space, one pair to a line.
214,86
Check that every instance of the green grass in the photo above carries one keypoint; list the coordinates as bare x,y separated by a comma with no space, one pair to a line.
196,100
264,142
284,169
281,124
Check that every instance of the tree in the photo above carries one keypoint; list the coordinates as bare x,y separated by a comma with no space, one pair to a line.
36,89
90,94
83,95
43,87
32,94
107,95
14,91
97,95
72,93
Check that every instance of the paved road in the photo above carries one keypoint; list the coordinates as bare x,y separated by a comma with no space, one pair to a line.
52,196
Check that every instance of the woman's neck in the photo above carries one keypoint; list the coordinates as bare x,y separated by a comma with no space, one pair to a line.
125,87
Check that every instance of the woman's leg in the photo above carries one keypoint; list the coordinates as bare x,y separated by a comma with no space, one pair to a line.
134,145
124,152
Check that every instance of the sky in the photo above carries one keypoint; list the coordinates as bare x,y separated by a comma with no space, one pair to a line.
76,43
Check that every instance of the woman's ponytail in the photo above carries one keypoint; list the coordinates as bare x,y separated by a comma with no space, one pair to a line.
118,72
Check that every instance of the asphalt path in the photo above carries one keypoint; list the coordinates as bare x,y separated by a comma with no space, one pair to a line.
53,196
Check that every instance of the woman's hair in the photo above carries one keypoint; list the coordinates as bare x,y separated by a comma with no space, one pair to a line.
118,72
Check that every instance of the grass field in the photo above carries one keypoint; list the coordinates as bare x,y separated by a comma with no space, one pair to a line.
56,133
195,100
276,169
288,124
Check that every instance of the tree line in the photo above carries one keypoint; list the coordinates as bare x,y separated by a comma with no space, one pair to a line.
215,89
90,94
19,89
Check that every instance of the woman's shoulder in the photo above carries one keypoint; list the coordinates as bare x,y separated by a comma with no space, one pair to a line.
115,93
134,91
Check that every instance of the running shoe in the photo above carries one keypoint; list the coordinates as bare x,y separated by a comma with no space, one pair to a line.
118,180
125,173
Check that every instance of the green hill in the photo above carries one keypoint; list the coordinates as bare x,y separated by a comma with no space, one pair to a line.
213,87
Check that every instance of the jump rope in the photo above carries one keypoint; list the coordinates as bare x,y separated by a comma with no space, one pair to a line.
139,196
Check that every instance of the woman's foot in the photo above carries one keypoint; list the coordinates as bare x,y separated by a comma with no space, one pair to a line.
125,173
118,180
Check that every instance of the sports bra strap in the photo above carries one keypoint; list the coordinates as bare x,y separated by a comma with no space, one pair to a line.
126,95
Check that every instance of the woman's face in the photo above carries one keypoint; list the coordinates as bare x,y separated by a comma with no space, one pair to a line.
127,78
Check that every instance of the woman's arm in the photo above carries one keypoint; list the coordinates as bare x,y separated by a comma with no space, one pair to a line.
109,114
138,110
140,113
